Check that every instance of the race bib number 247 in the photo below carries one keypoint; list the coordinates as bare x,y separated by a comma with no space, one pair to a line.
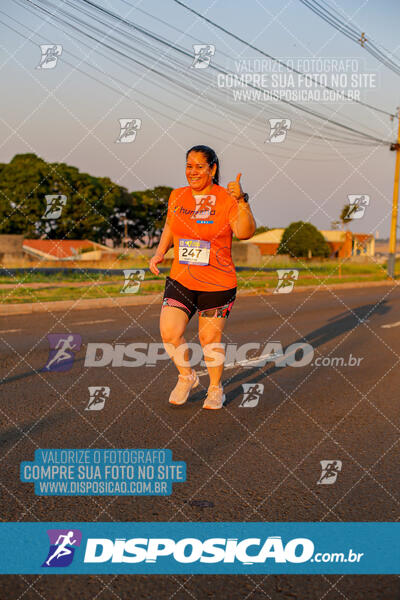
194,252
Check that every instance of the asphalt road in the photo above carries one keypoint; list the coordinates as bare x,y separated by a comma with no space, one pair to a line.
254,463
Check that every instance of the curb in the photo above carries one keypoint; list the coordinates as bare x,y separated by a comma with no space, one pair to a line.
66,305
322,288
117,302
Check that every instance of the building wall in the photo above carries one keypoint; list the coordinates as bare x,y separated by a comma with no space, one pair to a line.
339,249
10,244
11,248
268,248
363,246
343,249
246,254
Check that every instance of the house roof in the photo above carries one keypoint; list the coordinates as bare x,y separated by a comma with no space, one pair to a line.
273,236
333,235
59,249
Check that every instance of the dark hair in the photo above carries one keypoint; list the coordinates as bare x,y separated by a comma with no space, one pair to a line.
211,157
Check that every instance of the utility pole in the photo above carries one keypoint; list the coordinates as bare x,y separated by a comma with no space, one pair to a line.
393,226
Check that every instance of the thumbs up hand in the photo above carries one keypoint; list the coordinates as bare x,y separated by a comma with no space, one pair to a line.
234,188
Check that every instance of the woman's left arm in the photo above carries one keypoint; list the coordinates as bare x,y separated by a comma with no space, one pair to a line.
243,224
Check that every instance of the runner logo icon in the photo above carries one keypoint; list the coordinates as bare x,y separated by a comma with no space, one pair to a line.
330,470
63,543
133,277
128,130
98,395
50,55
287,279
55,204
278,130
202,55
62,349
251,394
357,205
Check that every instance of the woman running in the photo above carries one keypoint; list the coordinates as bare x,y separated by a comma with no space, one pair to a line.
200,220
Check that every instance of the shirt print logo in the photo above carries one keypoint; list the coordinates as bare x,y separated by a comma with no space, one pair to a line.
205,207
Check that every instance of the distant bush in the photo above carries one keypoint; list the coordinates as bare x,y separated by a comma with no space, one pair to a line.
303,240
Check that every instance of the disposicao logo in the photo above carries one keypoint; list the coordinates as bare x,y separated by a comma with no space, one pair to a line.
62,547
191,550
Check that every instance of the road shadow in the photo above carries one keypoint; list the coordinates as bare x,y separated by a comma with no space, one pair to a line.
13,434
335,327
33,372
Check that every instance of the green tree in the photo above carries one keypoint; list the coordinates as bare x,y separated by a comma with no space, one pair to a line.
96,207
302,240
90,201
147,215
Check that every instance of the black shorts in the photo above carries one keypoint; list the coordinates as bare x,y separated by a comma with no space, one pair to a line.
209,304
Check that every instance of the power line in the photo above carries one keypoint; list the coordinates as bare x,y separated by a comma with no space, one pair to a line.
333,18
119,92
101,81
280,62
185,33
186,54
222,71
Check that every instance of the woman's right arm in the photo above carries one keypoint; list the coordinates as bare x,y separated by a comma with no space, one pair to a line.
165,243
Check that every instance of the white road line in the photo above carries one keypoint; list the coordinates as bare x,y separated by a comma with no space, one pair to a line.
389,325
92,322
246,363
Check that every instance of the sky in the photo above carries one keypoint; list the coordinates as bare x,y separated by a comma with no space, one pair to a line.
72,113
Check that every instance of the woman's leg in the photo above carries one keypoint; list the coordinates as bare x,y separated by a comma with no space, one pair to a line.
210,332
173,323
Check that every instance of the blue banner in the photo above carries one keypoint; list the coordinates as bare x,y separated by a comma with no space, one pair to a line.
208,548
103,472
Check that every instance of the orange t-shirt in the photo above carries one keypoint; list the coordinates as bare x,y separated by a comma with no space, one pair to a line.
206,218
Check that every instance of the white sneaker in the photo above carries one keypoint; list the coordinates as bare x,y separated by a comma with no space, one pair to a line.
181,391
215,397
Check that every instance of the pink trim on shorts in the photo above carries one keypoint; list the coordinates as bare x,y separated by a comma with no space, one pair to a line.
174,303
226,306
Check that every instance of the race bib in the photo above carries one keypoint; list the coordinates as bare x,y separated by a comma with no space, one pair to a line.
194,252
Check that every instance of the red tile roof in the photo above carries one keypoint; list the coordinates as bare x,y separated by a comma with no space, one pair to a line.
59,248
